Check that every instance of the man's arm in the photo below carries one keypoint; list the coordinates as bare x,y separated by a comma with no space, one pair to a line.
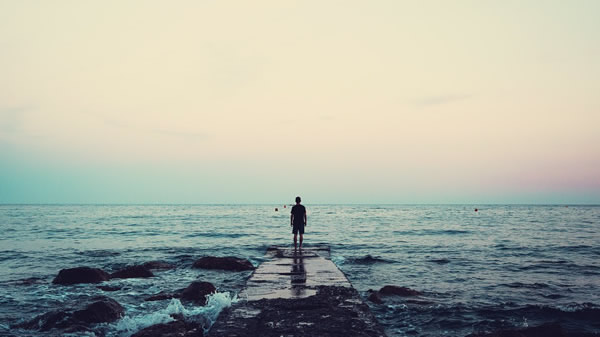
304,217
292,219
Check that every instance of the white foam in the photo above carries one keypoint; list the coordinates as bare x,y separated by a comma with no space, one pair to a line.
208,314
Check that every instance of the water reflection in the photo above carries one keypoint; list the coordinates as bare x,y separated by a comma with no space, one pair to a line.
298,274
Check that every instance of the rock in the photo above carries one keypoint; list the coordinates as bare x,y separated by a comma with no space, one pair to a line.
375,297
132,272
172,329
109,288
163,296
47,321
197,292
544,330
224,263
102,310
398,291
158,265
177,317
333,311
81,275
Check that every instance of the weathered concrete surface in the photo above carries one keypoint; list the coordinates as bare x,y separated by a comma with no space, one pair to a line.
297,293
293,274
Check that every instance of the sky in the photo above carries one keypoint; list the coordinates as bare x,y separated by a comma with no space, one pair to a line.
336,101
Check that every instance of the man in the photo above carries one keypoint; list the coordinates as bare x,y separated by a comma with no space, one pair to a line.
298,221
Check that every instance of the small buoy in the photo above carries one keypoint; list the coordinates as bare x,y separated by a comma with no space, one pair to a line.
284,206
276,209
475,209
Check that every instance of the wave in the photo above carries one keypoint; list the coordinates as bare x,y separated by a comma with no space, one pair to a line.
526,285
560,267
217,235
433,232
99,253
577,319
8,255
206,315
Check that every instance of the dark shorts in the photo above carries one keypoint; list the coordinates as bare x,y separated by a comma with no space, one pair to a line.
298,228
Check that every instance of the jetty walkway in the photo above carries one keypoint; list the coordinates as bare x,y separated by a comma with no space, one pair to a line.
297,293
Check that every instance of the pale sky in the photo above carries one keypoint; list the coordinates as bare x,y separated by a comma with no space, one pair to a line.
336,101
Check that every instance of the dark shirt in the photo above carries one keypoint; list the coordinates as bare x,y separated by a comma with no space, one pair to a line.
298,211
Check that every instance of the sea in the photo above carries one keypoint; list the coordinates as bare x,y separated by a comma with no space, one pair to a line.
497,267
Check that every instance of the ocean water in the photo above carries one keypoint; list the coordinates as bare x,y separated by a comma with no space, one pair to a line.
501,267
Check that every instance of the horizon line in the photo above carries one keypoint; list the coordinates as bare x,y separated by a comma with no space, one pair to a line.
273,203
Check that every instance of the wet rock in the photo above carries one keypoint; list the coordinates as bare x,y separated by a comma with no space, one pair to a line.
398,291
375,297
132,272
47,321
101,310
172,329
81,275
109,288
163,295
333,311
544,330
197,292
224,263
158,265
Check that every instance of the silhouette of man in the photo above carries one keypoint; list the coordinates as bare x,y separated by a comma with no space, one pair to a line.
298,221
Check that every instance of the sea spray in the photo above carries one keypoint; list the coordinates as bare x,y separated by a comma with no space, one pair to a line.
207,314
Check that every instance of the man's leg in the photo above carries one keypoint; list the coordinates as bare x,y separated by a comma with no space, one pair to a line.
300,240
295,238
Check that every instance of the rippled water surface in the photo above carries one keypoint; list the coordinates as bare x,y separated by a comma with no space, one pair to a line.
500,267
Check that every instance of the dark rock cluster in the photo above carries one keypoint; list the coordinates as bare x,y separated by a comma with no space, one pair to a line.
132,272
178,328
333,311
197,292
223,263
105,310
94,275
81,275
100,310
390,290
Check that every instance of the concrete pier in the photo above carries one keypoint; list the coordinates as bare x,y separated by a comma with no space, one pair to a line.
297,293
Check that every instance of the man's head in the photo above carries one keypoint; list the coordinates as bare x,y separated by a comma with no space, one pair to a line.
298,200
